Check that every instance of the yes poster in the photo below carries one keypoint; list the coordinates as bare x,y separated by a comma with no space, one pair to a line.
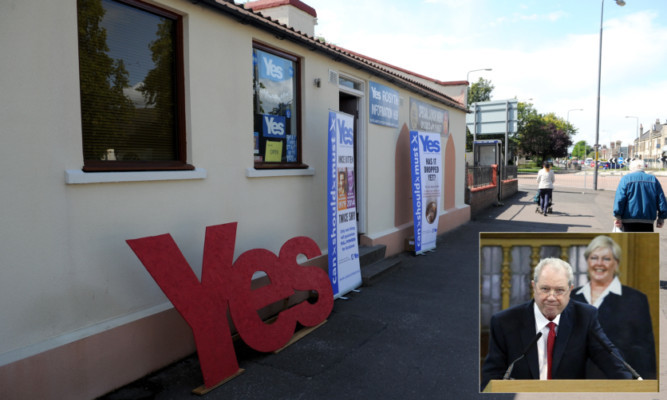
426,162
344,269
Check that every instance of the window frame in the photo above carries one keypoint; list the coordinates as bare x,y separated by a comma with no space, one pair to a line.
180,136
297,104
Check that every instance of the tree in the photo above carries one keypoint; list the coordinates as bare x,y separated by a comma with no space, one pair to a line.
480,91
544,136
581,150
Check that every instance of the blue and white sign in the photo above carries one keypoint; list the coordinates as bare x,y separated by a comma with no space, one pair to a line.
273,126
273,67
344,269
383,103
426,156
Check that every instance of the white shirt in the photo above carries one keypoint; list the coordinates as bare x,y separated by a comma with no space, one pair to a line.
614,287
545,179
541,323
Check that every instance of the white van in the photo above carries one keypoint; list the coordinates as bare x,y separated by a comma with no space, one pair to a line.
589,162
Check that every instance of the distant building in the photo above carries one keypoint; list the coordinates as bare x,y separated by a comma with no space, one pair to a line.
652,143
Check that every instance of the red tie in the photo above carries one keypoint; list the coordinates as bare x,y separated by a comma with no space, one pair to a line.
550,346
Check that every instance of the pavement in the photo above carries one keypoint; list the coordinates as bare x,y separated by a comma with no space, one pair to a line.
412,334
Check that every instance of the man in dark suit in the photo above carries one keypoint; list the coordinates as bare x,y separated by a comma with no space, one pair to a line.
576,326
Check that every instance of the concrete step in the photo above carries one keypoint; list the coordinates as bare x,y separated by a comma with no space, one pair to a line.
371,272
371,254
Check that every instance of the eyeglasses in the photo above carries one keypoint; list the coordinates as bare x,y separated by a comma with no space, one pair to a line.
546,291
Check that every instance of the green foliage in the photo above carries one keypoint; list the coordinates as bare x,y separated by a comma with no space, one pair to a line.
581,150
480,91
543,136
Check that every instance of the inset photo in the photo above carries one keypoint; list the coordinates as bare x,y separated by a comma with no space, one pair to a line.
569,312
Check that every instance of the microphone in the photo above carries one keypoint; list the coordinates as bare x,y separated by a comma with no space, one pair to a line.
523,354
606,347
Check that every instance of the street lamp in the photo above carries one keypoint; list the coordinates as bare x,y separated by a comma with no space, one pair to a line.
637,143
597,118
574,109
474,70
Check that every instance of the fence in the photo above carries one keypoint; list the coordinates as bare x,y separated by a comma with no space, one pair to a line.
483,175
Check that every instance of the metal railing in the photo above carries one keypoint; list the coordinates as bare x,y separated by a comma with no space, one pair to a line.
479,176
483,175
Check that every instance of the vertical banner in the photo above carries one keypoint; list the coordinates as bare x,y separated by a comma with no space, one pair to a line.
344,269
425,152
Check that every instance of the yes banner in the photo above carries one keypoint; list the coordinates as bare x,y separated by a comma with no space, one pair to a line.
344,269
425,153
273,67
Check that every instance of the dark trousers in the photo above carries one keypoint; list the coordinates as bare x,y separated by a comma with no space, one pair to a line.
545,199
637,227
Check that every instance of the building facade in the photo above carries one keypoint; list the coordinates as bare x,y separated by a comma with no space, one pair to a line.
167,116
652,144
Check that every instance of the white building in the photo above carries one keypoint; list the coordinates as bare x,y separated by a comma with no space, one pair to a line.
96,152
652,143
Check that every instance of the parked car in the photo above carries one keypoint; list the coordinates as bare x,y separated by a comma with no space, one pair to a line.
608,165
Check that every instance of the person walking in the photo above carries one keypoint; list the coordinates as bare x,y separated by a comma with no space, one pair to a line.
639,200
545,183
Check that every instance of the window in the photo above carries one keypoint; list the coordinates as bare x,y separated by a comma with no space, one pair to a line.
276,109
131,80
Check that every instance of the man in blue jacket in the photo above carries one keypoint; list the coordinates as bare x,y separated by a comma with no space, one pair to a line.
639,201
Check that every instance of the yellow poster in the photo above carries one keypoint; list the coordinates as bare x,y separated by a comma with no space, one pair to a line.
274,151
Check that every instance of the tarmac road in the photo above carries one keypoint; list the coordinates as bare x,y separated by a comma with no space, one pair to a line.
413,334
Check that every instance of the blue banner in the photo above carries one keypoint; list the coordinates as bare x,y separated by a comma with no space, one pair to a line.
344,268
426,170
273,126
273,67
383,103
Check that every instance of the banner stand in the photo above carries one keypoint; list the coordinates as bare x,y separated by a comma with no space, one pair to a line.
426,171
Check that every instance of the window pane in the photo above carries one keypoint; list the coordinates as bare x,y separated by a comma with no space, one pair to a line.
127,75
275,111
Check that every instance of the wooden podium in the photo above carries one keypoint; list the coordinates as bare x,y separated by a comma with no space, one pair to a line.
571,385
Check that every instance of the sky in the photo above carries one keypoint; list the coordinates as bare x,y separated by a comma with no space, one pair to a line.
543,52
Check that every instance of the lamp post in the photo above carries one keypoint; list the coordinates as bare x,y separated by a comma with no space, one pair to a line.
574,109
568,121
637,142
597,118
475,70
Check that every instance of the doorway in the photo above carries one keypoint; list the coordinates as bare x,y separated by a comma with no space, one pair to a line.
349,102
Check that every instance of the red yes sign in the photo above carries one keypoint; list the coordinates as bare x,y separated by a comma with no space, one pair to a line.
225,285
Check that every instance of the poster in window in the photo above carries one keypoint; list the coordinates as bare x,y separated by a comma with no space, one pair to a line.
344,269
290,147
273,126
273,67
274,151
255,137
426,156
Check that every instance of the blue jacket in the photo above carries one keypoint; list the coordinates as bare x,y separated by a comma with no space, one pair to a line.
639,198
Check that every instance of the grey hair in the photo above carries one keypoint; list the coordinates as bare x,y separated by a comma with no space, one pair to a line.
600,242
557,263
636,165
